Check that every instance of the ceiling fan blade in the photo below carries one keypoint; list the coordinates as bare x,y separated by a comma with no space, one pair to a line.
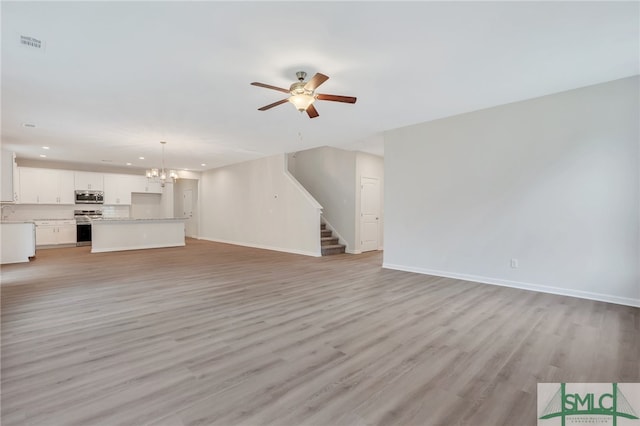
268,86
266,107
312,112
336,98
316,81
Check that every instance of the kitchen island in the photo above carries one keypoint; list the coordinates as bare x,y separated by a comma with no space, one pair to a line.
136,234
18,241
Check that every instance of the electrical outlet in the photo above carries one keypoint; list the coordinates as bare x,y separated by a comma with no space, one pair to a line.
514,263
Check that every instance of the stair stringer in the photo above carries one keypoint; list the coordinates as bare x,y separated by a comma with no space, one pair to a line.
337,234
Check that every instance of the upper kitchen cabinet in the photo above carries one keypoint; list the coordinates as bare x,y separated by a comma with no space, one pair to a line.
45,186
89,181
9,185
143,184
118,188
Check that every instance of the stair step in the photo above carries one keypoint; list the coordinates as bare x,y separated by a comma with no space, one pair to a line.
325,233
323,226
328,241
332,249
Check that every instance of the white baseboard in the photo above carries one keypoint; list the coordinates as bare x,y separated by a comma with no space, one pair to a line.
140,247
263,247
520,285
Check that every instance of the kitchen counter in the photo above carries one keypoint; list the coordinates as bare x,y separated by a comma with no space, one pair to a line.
118,234
18,241
16,221
132,219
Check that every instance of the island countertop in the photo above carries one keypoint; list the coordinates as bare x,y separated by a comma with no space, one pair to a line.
136,219
118,234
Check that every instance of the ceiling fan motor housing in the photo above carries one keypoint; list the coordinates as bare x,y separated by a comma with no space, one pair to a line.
299,89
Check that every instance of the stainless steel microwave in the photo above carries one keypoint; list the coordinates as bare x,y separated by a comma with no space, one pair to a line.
89,197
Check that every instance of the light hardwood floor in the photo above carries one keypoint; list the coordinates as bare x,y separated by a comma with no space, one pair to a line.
219,334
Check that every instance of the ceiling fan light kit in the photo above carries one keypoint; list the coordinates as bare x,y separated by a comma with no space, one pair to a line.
303,94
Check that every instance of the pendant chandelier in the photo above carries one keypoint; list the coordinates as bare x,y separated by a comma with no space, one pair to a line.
162,174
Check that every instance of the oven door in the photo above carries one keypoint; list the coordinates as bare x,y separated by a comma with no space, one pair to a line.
83,234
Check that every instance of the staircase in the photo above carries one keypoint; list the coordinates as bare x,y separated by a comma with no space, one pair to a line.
329,244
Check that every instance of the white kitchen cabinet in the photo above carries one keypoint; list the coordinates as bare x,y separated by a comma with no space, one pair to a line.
55,232
144,185
66,193
45,186
29,185
89,181
67,233
152,187
8,184
118,189
45,235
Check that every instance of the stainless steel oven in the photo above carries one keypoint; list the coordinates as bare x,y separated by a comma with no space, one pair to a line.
89,197
83,225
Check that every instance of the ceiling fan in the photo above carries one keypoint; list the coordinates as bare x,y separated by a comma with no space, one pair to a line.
303,94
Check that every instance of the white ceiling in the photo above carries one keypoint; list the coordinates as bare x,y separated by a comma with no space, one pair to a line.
115,78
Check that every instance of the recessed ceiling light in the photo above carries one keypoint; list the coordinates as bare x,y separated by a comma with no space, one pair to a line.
45,147
29,125
140,158
203,164
42,155
128,164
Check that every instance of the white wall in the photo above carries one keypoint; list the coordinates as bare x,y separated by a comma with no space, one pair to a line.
146,206
329,174
257,204
552,182
6,175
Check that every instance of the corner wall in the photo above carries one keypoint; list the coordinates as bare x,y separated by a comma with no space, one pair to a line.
551,182
257,204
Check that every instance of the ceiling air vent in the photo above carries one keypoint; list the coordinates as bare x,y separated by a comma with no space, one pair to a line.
30,42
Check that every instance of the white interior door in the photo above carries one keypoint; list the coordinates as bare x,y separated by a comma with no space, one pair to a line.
187,212
369,213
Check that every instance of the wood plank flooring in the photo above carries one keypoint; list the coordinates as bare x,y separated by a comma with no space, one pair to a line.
225,335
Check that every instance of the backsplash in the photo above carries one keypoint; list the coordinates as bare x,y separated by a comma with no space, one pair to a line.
116,211
146,206
39,212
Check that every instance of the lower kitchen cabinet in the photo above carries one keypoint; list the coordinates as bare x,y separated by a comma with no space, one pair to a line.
55,232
